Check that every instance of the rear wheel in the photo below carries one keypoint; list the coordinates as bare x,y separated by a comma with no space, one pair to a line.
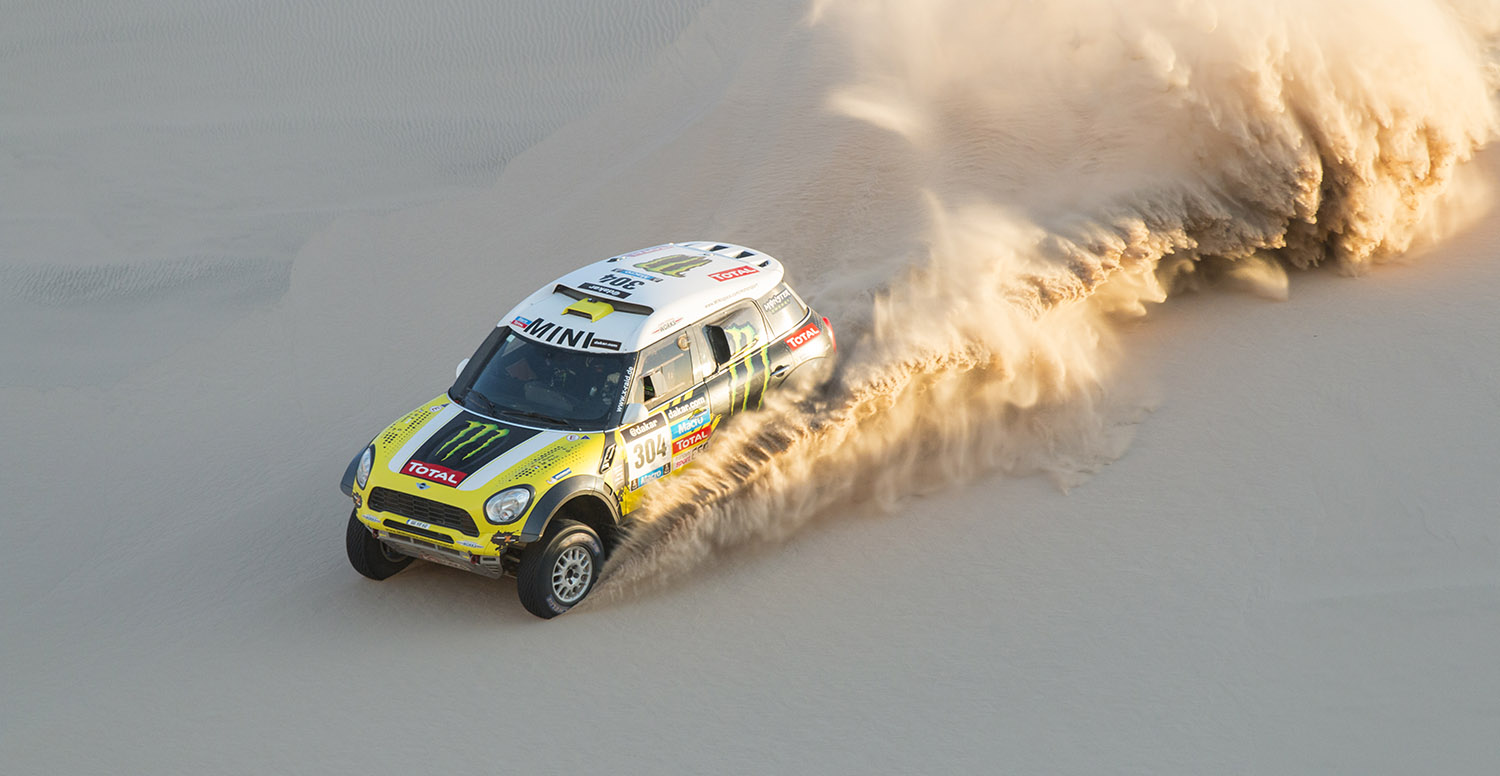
370,556
558,571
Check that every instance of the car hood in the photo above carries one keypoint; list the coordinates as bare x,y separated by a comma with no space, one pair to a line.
445,444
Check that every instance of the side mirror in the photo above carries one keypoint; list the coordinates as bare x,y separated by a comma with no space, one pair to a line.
635,412
718,342
460,369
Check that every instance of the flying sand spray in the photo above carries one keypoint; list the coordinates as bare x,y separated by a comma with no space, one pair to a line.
1078,161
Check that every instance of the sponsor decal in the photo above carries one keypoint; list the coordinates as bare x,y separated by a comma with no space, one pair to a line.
673,266
560,475
470,441
434,472
690,425
653,423
461,447
640,275
687,407
778,301
807,334
370,519
470,545
576,437
743,379
436,408
692,440
654,474
566,336
741,336
423,486
520,323
720,300
667,324
625,394
684,458
613,293
731,274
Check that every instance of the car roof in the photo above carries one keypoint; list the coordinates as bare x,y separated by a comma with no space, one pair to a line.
629,301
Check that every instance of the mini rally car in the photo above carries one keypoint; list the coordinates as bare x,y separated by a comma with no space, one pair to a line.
611,377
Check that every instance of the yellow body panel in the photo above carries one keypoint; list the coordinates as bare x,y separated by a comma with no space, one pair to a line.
567,455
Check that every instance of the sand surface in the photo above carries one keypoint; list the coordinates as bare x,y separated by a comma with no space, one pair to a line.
236,241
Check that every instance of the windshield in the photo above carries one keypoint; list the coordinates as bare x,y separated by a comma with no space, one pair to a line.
526,380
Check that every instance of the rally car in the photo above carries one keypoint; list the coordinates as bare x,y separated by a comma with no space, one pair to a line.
592,388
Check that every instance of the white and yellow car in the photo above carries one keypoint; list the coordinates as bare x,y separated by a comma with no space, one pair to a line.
603,381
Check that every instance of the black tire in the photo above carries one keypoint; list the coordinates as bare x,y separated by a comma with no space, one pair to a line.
559,570
370,556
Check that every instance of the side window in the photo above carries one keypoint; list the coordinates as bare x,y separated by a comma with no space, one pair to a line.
736,333
666,370
783,309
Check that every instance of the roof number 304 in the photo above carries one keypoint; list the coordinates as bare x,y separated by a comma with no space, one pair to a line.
629,284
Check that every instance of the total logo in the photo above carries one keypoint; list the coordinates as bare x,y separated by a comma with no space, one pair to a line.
807,334
692,440
431,471
731,274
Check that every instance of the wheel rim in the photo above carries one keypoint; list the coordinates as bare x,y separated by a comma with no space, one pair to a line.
571,574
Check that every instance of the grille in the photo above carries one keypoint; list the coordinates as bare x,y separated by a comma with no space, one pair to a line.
426,510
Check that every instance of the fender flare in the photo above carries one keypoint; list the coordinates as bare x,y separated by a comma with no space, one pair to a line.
552,502
347,483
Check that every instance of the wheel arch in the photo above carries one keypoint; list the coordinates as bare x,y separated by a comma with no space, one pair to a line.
584,498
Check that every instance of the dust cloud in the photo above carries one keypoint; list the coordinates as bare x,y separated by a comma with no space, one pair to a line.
1079,161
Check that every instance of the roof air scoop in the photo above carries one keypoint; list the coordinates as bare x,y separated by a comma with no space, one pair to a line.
591,309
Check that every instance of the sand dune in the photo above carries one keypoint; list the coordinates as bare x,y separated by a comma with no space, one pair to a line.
237,242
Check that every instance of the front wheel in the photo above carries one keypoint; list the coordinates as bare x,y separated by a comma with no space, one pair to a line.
370,556
560,569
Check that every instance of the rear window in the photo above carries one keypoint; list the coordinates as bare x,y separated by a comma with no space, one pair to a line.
743,328
783,308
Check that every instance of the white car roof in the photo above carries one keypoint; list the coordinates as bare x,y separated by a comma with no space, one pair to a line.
649,294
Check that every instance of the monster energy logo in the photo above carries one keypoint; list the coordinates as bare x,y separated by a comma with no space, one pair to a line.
740,336
673,266
735,384
471,440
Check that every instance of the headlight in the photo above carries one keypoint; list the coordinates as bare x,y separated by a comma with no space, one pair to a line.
366,461
507,506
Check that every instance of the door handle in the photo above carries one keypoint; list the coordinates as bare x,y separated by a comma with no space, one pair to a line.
780,371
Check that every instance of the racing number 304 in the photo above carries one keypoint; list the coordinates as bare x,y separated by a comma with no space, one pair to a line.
649,451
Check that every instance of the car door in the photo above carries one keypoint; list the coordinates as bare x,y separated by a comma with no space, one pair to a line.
744,359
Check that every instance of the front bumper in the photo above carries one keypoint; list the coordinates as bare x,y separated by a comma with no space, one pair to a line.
437,544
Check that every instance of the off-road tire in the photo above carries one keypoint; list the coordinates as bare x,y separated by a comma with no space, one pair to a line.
559,570
370,556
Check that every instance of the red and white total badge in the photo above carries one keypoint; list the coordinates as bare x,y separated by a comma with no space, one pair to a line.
807,334
433,472
731,274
